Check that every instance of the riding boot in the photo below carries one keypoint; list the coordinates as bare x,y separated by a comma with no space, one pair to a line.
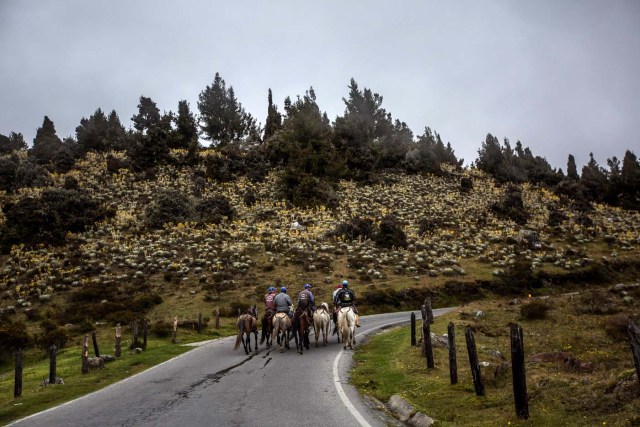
357,320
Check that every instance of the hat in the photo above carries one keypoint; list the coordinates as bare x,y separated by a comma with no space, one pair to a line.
271,289
307,286
283,289
345,283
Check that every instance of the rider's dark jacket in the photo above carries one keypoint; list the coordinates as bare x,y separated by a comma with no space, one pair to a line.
345,298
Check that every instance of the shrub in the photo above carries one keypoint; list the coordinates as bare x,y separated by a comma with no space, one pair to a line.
162,329
52,335
48,219
466,185
12,337
114,164
535,309
556,217
617,327
304,190
390,234
169,206
511,207
518,277
596,302
354,229
427,225
213,210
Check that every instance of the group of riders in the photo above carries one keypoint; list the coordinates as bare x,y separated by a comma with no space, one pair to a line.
343,296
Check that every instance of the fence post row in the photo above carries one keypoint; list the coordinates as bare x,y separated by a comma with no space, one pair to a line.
413,329
118,351
473,360
17,387
53,354
85,354
175,329
199,322
453,362
428,347
145,333
519,377
96,350
634,335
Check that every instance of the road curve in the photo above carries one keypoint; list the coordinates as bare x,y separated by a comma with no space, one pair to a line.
214,385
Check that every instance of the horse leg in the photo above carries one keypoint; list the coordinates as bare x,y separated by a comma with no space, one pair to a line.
244,344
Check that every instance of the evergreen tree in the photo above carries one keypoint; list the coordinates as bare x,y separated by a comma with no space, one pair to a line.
186,127
572,170
148,115
13,142
46,143
116,135
490,155
222,117
274,118
92,132
593,179
150,144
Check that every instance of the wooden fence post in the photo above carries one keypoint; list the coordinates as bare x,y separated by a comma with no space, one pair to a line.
473,360
413,329
217,317
145,333
453,361
519,376
174,338
118,350
96,350
634,335
134,330
85,354
427,304
53,354
199,322
17,387
428,347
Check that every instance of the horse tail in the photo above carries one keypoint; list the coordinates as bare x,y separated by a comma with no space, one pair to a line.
239,337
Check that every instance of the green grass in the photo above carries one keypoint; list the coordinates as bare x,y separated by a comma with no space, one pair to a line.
558,396
36,369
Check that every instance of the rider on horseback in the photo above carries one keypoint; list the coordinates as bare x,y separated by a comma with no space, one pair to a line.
283,302
346,298
269,300
306,301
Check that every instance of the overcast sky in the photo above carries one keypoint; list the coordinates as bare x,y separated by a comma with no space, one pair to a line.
561,76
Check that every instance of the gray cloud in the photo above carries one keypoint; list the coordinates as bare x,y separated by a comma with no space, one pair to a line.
559,76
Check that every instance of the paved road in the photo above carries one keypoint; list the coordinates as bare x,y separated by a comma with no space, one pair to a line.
213,385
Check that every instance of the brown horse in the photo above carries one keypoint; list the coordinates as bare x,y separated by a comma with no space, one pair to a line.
267,327
301,322
247,324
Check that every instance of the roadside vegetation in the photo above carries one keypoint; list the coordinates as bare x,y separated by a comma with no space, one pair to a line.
579,366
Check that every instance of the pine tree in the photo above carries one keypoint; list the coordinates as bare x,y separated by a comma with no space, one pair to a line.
91,134
116,135
222,117
274,118
13,142
572,170
148,115
186,127
46,143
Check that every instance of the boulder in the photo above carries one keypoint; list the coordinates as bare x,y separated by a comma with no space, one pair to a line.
400,407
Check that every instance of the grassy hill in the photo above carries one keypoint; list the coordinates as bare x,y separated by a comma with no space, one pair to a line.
463,240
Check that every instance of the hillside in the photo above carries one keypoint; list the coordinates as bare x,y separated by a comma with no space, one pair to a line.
457,248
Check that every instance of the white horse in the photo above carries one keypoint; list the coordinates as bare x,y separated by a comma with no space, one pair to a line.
281,323
347,326
321,321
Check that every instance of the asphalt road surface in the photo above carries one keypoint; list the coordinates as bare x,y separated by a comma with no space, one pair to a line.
213,385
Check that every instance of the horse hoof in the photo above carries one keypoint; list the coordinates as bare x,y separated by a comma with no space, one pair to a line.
344,348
